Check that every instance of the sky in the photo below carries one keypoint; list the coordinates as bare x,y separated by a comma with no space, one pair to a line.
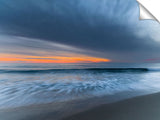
76,31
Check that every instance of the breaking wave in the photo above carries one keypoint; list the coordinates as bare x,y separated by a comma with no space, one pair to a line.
43,86
81,70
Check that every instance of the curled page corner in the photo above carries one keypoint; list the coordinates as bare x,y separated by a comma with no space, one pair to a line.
149,10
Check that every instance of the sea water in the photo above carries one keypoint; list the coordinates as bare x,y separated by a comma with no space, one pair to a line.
27,85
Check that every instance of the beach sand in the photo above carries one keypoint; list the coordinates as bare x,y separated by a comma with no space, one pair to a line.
139,108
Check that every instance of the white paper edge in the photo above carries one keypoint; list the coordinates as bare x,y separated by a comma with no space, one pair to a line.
145,14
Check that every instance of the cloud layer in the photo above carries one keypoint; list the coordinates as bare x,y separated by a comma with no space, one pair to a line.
104,28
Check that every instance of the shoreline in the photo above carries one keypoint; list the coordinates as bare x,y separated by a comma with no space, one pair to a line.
145,107
77,108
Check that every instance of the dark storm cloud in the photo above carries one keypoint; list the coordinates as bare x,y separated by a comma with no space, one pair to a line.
108,26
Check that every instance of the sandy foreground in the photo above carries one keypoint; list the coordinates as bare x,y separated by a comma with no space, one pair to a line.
139,108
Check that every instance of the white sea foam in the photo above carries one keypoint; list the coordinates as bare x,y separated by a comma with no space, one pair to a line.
18,89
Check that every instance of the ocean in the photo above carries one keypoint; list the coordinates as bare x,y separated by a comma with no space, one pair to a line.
28,85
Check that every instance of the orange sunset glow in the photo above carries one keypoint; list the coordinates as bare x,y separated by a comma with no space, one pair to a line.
17,58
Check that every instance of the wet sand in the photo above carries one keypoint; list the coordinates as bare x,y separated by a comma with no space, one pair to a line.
139,108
